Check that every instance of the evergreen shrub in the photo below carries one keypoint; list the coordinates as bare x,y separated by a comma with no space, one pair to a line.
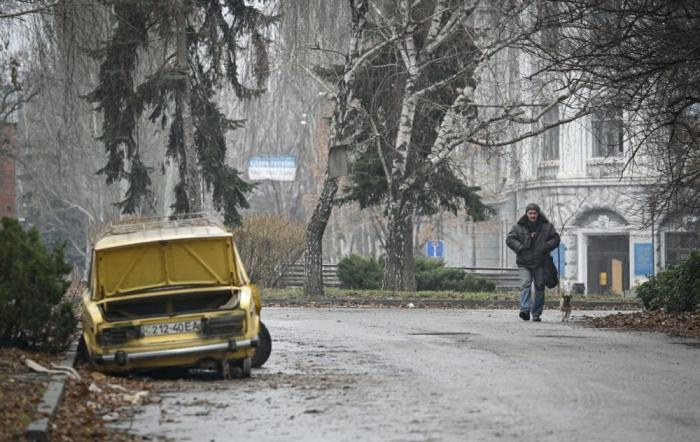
676,289
358,272
32,284
431,274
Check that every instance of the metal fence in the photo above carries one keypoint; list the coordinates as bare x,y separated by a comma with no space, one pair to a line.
505,278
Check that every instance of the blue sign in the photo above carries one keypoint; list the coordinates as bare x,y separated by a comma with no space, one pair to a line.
435,248
643,259
272,167
558,255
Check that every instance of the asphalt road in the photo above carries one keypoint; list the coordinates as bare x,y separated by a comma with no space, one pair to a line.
400,374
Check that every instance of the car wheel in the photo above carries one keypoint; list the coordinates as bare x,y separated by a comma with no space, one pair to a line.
262,352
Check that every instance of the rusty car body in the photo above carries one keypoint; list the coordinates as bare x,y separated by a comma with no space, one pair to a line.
169,293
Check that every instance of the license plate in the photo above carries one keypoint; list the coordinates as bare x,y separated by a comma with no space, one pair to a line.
171,328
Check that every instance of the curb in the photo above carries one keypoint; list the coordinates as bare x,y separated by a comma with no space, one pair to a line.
39,429
430,302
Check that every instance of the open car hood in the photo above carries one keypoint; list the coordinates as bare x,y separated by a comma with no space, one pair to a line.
147,266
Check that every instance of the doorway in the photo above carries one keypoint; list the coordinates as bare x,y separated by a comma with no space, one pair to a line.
608,264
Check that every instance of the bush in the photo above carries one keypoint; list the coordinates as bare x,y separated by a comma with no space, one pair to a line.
357,272
32,285
431,274
677,289
268,245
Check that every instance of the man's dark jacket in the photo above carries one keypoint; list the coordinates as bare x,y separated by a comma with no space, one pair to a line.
532,251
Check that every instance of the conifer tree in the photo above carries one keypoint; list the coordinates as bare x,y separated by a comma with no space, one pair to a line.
204,41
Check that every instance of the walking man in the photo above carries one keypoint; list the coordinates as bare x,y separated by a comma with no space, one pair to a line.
532,238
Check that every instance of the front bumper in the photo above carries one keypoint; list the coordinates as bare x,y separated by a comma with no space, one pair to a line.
122,357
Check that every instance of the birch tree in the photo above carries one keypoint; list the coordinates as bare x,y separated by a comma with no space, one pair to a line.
436,54
341,127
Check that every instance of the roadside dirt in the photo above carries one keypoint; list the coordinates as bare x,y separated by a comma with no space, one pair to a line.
423,303
91,403
680,324
88,404
20,391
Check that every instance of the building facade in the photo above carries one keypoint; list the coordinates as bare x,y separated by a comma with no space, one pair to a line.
581,175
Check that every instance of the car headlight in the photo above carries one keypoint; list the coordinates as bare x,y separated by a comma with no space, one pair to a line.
119,335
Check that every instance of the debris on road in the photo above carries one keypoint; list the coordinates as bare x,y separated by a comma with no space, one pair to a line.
56,369
96,400
682,324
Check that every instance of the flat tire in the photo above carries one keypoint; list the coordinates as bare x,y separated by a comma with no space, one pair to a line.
262,352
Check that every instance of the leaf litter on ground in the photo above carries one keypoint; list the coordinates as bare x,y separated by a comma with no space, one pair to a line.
686,324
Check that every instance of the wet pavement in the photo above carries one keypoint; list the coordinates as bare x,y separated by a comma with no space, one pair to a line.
433,374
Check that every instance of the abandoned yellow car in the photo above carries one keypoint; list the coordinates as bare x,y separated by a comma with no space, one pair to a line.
171,293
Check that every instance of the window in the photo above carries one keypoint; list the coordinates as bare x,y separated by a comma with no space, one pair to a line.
679,245
551,136
607,136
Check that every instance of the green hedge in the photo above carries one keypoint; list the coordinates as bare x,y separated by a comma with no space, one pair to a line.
676,289
357,272
431,274
32,286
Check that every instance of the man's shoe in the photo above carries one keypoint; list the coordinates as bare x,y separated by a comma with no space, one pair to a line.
525,316
536,319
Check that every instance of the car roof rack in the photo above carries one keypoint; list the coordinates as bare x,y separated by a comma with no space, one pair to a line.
133,223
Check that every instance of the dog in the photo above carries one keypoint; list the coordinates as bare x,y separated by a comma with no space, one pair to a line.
565,306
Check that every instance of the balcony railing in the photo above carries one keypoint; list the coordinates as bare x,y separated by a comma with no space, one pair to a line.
548,169
610,167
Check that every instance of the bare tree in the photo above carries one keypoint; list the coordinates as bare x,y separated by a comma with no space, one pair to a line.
60,193
15,9
340,129
636,61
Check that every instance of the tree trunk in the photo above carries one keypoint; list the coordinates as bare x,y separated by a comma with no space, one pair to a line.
340,122
313,256
190,175
399,268
409,264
